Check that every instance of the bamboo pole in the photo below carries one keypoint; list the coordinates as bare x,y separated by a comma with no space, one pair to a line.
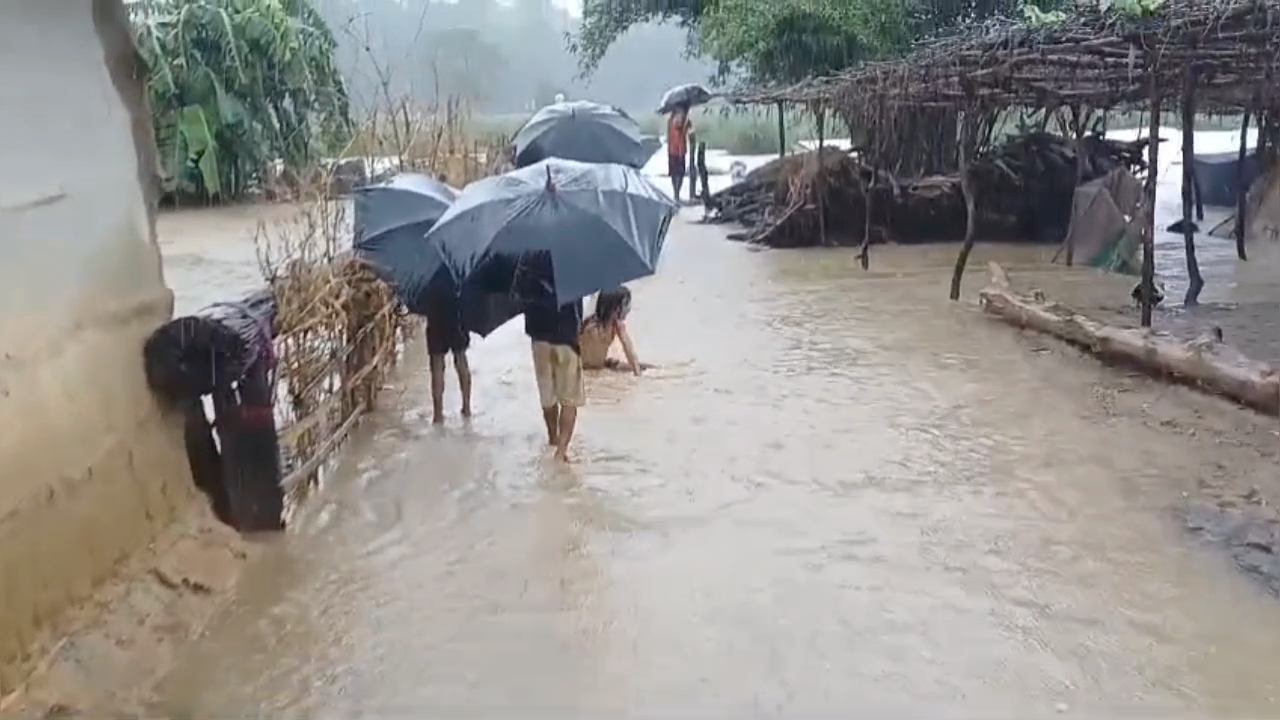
1148,286
967,135
1241,191
820,179
1195,280
1077,129
864,252
782,130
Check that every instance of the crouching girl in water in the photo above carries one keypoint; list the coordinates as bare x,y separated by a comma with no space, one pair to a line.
606,324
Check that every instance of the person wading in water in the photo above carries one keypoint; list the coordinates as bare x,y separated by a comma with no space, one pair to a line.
557,367
446,336
678,128
607,324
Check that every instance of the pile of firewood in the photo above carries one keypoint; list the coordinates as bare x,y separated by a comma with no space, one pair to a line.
1024,190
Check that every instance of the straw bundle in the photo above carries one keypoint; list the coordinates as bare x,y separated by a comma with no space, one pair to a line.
337,334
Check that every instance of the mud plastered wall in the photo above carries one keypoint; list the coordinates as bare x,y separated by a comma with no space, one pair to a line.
90,470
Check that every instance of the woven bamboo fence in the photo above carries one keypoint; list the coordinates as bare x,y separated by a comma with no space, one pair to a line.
339,330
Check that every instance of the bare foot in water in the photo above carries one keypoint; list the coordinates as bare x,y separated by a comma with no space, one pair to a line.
562,454
466,411
437,419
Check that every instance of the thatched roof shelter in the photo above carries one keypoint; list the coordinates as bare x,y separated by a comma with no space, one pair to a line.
1218,56
1093,57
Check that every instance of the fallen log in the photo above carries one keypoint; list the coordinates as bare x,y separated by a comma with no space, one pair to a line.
1205,363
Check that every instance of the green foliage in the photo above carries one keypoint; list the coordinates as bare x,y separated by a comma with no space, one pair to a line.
1132,8
236,84
789,40
781,40
1034,17
604,21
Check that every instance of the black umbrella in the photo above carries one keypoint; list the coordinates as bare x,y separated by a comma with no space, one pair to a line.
391,222
582,131
689,95
569,228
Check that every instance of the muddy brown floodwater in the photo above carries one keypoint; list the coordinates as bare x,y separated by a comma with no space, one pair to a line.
838,492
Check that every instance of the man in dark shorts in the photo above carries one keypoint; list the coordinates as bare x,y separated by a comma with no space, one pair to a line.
446,336
557,366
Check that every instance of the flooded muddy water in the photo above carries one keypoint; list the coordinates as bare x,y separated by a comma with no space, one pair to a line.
837,492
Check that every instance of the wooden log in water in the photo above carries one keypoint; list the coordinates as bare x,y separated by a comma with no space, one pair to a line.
1206,363
213,347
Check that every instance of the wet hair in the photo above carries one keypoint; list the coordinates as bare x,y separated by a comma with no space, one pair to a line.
612,304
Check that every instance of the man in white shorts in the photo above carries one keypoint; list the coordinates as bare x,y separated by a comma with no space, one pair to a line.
557,365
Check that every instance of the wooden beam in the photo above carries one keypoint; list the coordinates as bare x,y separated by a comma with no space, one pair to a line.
1148,292
782,130
968,134
1242,192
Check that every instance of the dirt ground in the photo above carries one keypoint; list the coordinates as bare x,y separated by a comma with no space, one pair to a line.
108,651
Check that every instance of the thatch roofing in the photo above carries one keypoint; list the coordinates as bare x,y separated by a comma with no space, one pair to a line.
1095,58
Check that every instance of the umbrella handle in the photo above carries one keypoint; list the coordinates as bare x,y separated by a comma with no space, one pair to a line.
551,185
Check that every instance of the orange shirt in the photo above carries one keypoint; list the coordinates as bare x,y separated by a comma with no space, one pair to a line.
678,134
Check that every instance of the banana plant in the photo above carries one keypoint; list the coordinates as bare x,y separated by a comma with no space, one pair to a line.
235,85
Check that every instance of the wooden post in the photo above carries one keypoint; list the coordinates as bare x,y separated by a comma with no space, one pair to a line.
968,134
1148,286
1241,190
872,161
782,130
1078,115
1195,186
702,173
692,171
1195,282
820,178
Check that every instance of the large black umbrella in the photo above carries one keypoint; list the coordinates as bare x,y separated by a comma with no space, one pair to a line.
689,95
572,228
582,131
391,223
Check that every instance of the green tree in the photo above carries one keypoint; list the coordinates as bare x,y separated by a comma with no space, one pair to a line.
778,40
235,85
789,40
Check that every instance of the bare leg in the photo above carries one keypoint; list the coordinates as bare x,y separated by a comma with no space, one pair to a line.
677,183
551,416
437,389
463,368
568,419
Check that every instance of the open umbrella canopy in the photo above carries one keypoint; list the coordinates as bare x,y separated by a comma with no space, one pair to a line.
583,131
391,222
404,199
573,228
691,94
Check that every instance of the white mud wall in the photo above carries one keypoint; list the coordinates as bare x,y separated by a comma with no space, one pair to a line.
90,471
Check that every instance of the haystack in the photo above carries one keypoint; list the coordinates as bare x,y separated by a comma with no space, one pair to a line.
1024,191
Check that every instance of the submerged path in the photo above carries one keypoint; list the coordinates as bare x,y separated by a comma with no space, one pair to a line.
838,492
